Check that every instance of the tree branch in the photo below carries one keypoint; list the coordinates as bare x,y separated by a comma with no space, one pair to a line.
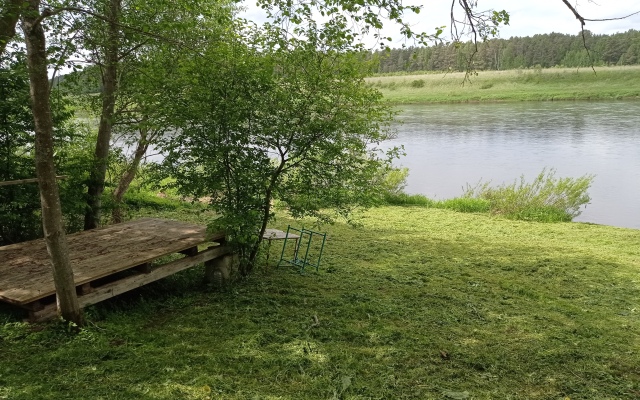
583,22
49,13
612,19
575,12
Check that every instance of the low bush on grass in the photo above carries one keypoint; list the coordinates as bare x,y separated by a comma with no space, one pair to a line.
394,180
404,199
464,204
460,204
546,199
418,83
144,199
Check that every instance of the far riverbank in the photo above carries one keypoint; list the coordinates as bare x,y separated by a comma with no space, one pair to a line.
607,83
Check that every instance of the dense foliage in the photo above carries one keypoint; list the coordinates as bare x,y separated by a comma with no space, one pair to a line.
20,204
544,51
546,198
264,119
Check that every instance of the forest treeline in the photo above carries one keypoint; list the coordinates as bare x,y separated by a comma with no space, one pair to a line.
541,51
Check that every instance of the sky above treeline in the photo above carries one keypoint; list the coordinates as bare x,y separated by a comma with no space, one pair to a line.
528,17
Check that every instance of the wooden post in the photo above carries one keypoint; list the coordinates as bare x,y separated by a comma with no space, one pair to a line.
190,252
84,289
144,268
218,271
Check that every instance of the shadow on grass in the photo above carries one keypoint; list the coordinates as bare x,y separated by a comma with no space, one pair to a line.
396,311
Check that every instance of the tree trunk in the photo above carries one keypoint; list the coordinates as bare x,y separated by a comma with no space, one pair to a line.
127,177
45,169
109,87
9,15
266,212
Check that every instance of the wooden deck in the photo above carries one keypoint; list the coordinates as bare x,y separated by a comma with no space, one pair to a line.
97,257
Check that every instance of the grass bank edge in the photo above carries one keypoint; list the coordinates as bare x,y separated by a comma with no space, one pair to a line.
555,84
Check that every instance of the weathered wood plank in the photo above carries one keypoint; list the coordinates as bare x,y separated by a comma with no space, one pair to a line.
25,274
84,289
144,268
132,282
124,285
43,314
30,180
191,251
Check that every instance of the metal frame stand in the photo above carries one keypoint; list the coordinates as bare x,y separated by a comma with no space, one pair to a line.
306,238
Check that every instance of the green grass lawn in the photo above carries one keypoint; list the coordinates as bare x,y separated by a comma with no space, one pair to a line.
514,85
419,303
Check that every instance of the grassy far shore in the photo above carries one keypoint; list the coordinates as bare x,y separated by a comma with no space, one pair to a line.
514,85
419,303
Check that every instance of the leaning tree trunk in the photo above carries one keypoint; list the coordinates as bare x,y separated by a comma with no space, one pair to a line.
98,173
127,177
52,221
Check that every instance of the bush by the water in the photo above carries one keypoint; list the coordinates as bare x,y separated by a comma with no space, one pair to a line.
546,199
464,204
460,204
404,199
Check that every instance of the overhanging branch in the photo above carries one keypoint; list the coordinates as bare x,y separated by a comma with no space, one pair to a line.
49,13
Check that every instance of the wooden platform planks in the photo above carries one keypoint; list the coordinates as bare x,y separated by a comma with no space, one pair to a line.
132,282
25,274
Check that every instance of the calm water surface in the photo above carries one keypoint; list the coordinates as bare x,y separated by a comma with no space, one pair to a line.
449,146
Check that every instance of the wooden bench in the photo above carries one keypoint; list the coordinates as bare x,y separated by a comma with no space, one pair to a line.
106,262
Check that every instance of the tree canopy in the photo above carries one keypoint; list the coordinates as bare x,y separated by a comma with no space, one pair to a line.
545,50
264,119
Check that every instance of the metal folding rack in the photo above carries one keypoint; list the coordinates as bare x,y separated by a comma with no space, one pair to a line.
303,239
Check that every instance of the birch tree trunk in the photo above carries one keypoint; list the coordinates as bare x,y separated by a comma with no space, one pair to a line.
109,87
52,221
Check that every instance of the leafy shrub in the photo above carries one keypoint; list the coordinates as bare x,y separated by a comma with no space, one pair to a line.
546,199
20,217
403,199
543,214
418,83
138,199
394,180
465,204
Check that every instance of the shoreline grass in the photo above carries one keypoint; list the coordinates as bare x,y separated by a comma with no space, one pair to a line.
553,84
419,303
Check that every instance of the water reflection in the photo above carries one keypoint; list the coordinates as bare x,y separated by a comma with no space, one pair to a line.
450,145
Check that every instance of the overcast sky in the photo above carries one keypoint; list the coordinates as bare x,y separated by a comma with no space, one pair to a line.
528,17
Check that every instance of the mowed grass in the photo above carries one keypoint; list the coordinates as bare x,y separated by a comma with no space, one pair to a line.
419,303
512,85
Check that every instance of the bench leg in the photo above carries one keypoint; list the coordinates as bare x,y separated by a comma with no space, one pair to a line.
217,272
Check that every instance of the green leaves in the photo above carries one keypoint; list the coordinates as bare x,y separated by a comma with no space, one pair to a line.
269,117
545,199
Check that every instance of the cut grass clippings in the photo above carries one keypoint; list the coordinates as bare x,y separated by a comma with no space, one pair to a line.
419,303
606,83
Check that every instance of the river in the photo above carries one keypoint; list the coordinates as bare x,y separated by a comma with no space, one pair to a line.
450,145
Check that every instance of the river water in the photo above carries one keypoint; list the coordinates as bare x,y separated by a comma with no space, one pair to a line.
448,146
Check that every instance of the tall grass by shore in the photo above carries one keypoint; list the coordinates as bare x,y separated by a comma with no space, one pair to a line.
514,85
546,198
